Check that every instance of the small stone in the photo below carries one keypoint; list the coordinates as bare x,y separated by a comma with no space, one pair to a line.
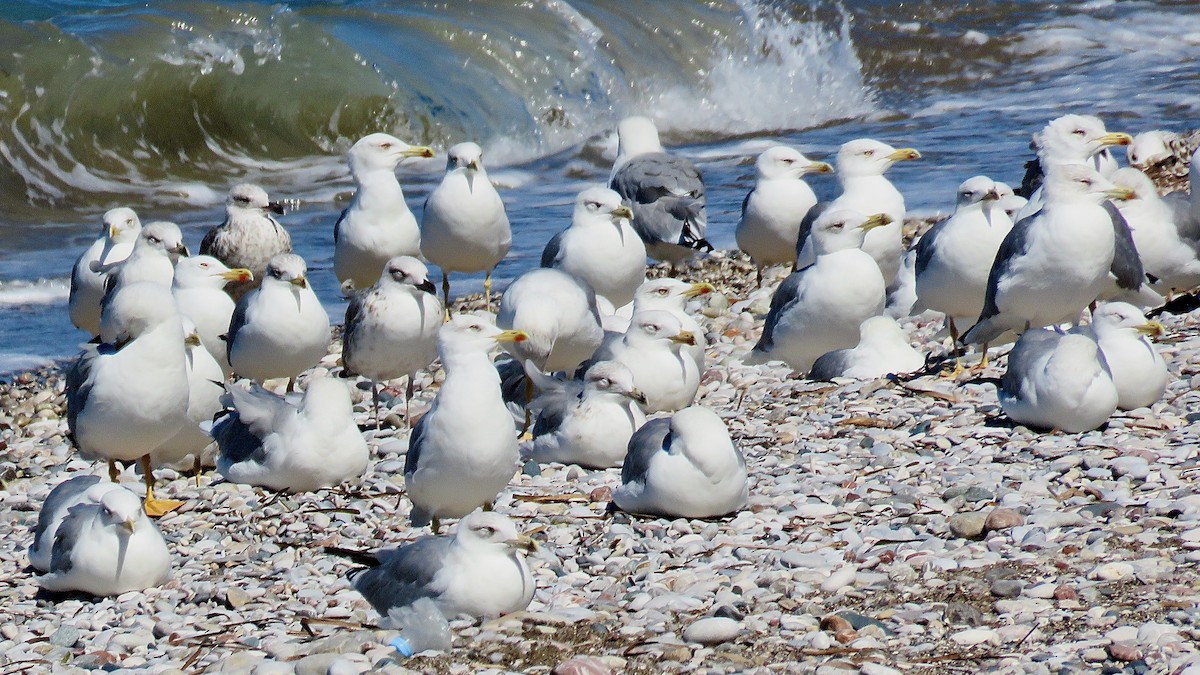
967,525
1113,571
1007,588
1065,592
1123,651
712,630
871,668
977,494
582,665
975,636
1001,518
962,613
601,494
531,468
842,630
840,577
65,636
236,597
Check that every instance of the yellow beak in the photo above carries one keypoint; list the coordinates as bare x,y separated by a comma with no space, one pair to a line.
819,167
622,211
511,336
113,231
699,288
418,151
992,195
1120,193
128,525
300,281
237,274
523,542
192,340
684,338
474,165
1152,329
904,153
876,220
1116,138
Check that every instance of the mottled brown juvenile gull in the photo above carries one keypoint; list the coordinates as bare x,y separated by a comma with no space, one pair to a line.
250,235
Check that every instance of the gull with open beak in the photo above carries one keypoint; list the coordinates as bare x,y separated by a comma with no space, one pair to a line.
279,329
463,452
600,246
478,571
250,235
1137,369
199,291
819,308
378,225
107,547
91,270
464,227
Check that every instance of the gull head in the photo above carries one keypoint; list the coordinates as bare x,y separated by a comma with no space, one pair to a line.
474,332
1135,181
1074,139
163,236
612,378
667,293
881,331
783,162
637,135
1148,148
977,190
205,271
701,435
491,531
843,229
1081,183
868,157
1122,318
121,225
250,199
600,204
466,156
657,325
287,268
382,152
121,508
406,270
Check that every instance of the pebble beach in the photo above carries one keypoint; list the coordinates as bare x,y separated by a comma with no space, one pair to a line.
894,525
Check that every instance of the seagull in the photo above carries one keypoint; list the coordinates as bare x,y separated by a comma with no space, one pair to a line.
1057,381
883,348
673,295
774,208
79,489
462,452
600,247
1009,201
652,350
684,466
270,441
204,401
91,270
479,571
666,193
199,292
819,308
250,236
158,246
1054,263
1186,206
955,255
1070,139
129,395
1138,370
861,164
107,548
1150,147
587,423
391,328
464,227
1171,259
279,329
557,312
377,226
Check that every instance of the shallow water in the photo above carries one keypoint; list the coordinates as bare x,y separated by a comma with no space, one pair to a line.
164,107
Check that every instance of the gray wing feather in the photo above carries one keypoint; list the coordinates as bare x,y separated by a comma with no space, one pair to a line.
236,441
1029,346
413,456
405,574
337,227
653,437
350,328
1181,205
68,535
210,241
553,250
806,224
236,321
926,246
831,364
79,386
1126,264
785,297
1015,244
667,196
63,493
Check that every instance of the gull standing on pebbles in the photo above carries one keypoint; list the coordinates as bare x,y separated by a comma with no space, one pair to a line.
377,226
79,489
1057,381
479,571
391,328
588,424
91,270
1137,369
267,440
462,452
250,236
279,329
199,291
1054,263
1166,255
819,308
600,246
775,207
129,395
665,191
861,164
558,314
107,548
955,255
882,348
652,350
464,227
683,467
204,401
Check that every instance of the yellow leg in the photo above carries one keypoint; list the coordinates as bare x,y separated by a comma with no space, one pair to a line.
983,360
487,291
155,507
199,468
958,366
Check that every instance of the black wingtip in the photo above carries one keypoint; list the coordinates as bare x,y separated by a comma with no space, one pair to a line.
367,558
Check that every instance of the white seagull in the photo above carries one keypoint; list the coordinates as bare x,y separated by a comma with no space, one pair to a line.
1057,381
1137,369
377,226
557,312
199,291
464,227
88,276
204,401
600,246
882,348
79,489
652,350
1166,255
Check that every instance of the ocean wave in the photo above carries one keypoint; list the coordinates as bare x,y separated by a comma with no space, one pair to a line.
169,104
40,292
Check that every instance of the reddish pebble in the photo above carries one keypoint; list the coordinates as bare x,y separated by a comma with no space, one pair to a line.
582,665
1123,651
1001,518
1064,592
601,494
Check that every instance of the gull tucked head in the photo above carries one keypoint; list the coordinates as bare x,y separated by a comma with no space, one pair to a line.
407,271
382,152
1113,318
121,225
488,530
611,377
654,325
249,200
287,268
868,157
121,508
782,162
600,204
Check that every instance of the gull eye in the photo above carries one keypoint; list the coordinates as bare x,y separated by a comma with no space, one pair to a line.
868,153
1079,132
788,160
486,531
386,146
604,382
592,206
662,291
474,327
967,194
204,265
154,240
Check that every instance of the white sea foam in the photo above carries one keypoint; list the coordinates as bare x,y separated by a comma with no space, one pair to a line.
40,292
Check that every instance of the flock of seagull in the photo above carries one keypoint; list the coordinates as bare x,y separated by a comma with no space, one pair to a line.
601,366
